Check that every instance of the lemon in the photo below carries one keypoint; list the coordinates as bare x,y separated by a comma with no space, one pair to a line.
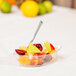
1,1
29,8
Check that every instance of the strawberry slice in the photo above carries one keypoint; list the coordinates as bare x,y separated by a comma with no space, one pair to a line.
52,47
20,52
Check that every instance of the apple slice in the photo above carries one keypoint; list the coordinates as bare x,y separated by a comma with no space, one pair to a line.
47,45
33,49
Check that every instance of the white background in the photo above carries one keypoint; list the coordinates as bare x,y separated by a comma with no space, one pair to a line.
59,27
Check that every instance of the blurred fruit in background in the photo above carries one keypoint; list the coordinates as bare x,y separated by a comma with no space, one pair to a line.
1,2
19,2
5,7
32,8
48,5
29,8
39,1
42,9
12,2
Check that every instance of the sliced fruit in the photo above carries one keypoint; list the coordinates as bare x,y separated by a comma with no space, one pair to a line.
24,60
47,45
33,49
23,48
52,51
36,55
34,62
44,51
39,46
40,61
26,54
20,52
48,58
27,48
52,48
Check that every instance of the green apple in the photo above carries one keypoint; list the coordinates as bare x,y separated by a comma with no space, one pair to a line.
5,7
48,5
42,9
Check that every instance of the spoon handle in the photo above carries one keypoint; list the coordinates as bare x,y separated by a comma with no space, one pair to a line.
40,23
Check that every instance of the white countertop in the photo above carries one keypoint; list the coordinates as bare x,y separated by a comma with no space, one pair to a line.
59,27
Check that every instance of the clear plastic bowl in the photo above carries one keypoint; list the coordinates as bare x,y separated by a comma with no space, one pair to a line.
38,60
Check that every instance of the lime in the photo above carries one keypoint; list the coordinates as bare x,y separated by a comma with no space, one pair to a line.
6,7
42,9
48,5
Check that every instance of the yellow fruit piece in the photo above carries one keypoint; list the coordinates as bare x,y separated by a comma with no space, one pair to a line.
24,60
45,51
27,48
26,54
52,51
35,62
23,48
30,8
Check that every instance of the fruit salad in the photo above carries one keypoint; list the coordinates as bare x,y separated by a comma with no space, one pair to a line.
35,54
